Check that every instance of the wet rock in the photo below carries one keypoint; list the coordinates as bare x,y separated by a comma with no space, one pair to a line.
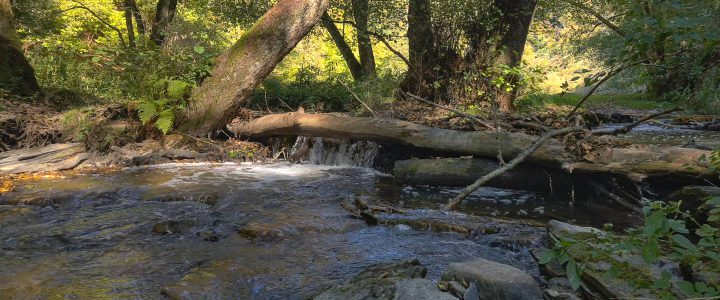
565,230
209,236
173,226
437,225
419,289
209,198
150,159
397,280
456,288
494,280
267,231
472,292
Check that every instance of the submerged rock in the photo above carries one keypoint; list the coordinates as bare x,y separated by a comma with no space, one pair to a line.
397,280
267,231
494,280
209,198
173,226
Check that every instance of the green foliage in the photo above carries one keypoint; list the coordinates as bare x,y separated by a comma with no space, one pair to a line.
664,234
76,124
159,109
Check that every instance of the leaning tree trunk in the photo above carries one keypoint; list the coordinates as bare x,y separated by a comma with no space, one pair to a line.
361,12
16,74
353,64
517,16
164,14
242,68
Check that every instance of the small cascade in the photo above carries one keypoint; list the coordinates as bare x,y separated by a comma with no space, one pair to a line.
342,153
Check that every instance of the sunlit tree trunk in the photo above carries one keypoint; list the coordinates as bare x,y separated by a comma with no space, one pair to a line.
346,51
129,22
361,12
164,14
16,74
139,22
246,64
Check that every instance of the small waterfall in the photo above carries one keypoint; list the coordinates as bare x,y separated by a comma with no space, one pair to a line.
342,153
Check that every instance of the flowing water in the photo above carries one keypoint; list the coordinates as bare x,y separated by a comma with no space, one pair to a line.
661,134
176,228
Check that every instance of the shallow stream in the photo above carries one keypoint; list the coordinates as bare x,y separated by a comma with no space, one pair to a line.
175,229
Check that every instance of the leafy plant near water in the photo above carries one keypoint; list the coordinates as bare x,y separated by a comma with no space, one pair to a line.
168,97
664,234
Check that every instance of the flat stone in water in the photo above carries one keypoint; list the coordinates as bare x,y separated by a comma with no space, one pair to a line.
495,280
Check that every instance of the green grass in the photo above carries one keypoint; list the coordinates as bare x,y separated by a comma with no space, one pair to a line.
631,101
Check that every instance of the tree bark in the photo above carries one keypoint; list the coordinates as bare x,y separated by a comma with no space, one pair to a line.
129,23
420,77
353,64
139,22
246,64
361,13
517,16
636,163
16,74
164,14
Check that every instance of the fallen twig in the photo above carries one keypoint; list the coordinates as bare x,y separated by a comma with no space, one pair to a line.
469,116
455,202
629,127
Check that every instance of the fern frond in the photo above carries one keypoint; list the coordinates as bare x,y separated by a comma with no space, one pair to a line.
147,110
177,89
165,120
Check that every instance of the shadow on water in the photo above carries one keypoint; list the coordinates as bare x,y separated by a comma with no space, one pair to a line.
175,229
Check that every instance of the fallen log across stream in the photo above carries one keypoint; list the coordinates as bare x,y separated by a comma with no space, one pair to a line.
635,162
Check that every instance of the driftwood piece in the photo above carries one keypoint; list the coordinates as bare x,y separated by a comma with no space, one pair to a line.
55,157
634,162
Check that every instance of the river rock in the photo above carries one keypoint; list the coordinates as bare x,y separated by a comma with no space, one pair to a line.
209,198
396,280
267,231
562,229
494,280
173,226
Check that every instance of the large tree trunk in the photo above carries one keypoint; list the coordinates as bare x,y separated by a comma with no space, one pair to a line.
16,74
421,74
361,12
164,14
634,163
242,68
353,64
517,16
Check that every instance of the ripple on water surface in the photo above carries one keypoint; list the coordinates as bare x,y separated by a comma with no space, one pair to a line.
176,227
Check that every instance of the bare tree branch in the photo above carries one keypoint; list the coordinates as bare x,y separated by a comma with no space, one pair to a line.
597,15
455,202
380,38
82,6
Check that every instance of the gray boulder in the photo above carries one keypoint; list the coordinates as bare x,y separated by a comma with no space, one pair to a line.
494,280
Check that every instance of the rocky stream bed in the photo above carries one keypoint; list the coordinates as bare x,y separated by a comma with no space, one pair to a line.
217,231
